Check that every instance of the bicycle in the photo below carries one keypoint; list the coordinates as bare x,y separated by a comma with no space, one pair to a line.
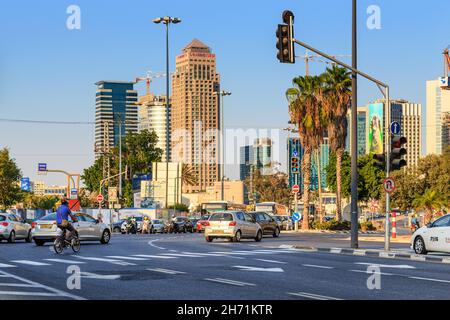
74,243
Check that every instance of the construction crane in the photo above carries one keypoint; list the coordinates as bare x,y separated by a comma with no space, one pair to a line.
446,61
150,76
307,57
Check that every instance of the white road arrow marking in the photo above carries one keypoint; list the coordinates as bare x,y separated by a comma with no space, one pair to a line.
247,268
394,266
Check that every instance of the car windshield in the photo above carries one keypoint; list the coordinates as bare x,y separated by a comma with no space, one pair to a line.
51,216
2,218
156,222
221,217
205,217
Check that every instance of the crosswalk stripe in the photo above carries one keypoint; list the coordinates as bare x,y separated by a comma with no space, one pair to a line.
127,258
153,256
231,282
316,266
65,261
271,261
312,296
166,271
4,265
31,263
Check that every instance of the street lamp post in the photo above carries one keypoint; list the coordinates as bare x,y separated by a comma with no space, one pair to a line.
222,145
167,20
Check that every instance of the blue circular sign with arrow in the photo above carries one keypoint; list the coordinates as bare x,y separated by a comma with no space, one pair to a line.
395,127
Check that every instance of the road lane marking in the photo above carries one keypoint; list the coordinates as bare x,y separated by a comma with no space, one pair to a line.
271,261
154,245
4,265
181,255
231,282
89,275
258,269
312,296
127,258
31,263
166,271
316,266
113,261
21,285
24,293
55,292
430,279
394,266
365,271
205,254
65,261
153,256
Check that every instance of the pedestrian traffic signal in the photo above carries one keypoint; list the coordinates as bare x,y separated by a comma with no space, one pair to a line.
295,165
380,161
397,151
285,36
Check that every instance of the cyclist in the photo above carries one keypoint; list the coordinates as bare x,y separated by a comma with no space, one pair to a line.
62,219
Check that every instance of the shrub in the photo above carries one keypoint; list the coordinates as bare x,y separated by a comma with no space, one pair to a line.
332,225
367,226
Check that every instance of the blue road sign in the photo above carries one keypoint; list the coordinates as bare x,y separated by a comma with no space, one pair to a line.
295,153
296,216
42,167
25,184
395,127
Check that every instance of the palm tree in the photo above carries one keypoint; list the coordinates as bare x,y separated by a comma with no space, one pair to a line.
429,201
305,111
188,177
336,102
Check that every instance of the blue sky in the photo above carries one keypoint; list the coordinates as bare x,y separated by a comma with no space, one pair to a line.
47,72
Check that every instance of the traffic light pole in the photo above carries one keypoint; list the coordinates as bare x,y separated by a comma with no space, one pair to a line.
385,92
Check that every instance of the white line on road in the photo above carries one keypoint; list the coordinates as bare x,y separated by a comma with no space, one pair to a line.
395,266
3,265
31,263
271,261
335,250
430,279
228,281
153,256
21,285
154,245
89,275
312,296
166,271
247,268
65,261
316,266
182,255
365,271
127,258
113,261
24,293
205,254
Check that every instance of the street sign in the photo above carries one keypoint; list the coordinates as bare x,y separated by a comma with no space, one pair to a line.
112,194
296,216
42,167
73,194
395,127
100,198
389,185
25,184
295,153
296,188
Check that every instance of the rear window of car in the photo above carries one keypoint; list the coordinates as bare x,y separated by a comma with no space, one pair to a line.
2,218
51,216
221,217
139,218
157,222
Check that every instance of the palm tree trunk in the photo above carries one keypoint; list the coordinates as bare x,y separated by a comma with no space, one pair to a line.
306,168
319,180
339,154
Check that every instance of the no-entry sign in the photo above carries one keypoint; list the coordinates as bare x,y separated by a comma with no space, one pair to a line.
100,198
389,185
296,188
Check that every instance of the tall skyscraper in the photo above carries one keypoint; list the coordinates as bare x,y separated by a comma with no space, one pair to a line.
412,130
115,106
362,131
195,113
246,161
438,106
152,117
258,155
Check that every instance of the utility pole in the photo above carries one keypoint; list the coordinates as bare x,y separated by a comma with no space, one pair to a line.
120,156
354,131
387,236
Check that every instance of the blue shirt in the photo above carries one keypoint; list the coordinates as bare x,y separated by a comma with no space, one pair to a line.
62,213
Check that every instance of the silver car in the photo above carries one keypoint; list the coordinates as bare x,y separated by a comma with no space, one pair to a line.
13,227
158,226
87,228
234,225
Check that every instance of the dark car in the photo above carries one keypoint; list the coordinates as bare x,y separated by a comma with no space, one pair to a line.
117,226
183,224
268,224
194,223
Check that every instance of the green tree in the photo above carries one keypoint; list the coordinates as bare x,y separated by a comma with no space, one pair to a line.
180,207
272,187
430,201
10,175
336,102
93,175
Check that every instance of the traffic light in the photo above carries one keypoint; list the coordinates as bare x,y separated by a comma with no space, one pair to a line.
380,161
285,35
397,151
295,165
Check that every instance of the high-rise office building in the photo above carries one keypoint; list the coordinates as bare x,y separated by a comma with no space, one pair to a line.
412,130
153,117
258,156
195,113
362,131
115,106
246,162
438,106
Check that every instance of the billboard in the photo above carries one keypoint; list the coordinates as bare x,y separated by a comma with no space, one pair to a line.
375,127
25,184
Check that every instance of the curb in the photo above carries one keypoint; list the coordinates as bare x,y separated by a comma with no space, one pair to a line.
333,231
371,253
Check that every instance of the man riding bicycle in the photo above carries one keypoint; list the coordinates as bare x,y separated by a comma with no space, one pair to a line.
62,219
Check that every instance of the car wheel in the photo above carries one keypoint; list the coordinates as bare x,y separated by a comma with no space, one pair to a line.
12,237
39,243
105,237
276,234
28,239
209,239
116,230
419,246
258,236
237,236
123,232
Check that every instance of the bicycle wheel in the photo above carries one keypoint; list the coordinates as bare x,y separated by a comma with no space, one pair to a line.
76,245
58,246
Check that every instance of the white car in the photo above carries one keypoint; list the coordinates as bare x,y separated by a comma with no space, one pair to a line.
12,227
432,237
232,225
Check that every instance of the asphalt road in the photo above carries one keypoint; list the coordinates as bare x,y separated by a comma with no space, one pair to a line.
186,267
